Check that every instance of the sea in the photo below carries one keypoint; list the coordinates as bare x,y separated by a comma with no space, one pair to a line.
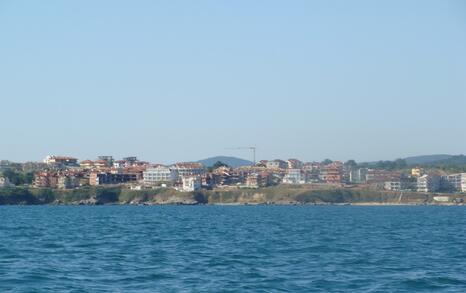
232,248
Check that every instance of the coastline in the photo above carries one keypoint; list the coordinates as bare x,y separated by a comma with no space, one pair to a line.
277,195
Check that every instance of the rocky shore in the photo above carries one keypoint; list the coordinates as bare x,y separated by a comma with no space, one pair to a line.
278,195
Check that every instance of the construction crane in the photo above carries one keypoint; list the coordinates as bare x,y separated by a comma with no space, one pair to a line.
253,149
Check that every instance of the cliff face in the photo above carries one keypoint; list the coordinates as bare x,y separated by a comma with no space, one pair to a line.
271,195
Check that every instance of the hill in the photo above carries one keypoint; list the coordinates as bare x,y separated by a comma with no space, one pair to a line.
230,161
428,159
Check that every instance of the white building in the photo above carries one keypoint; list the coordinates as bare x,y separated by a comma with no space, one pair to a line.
192,183
189,169
428,183
294,176
455,182
392,185
276,164
155,175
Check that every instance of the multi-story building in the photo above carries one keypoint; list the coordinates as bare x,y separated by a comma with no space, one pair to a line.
276,164
358,175
261,179
295,164
191,183
61,161
99,178
159,174
379,176
454,182
294,176
45,179
67,181
395,185
189,169
332,173
428,183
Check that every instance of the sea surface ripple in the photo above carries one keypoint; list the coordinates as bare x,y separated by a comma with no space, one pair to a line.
232,249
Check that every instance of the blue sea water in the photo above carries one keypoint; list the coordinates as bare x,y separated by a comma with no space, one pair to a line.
232,249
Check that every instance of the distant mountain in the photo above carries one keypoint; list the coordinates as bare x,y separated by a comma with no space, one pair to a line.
429,159
230,161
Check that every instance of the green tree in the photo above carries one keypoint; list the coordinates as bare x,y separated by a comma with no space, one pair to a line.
351,164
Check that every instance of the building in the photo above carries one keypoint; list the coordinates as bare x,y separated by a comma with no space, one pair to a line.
428,183
260,179
108,159
191,183
380,176
61,161
45,179
295,164
4,182
417,172
158,174
358,175
99,178
454,182
276,164
294,176
394,185
189,169
67,181
332,173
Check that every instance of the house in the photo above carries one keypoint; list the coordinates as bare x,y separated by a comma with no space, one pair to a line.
276,164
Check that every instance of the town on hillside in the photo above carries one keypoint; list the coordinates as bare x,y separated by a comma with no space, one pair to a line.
63,172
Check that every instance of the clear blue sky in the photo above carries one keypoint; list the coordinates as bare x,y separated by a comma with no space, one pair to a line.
183,80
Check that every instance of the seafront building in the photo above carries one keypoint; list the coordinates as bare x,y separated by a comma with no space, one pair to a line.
454,182
191,183
428,183
155,175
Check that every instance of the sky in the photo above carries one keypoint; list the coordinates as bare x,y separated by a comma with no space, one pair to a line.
184,80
